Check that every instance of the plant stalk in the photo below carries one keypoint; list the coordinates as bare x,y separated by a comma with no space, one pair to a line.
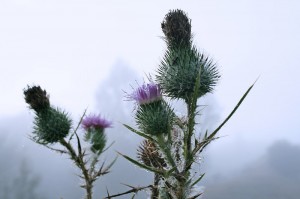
78,159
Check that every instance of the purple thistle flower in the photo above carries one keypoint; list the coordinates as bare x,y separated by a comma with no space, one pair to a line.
146,93
95,121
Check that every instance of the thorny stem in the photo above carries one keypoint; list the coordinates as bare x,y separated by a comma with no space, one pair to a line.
188,153
133,190
78,159
191,108
166,150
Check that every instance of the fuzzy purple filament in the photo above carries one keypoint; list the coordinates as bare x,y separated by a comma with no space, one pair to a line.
147,93
95,121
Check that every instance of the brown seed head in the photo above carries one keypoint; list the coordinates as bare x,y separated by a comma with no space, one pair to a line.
177,28
37,98
148,154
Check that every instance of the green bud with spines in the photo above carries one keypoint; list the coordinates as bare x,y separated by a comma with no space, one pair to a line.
178,72
155,118
51,125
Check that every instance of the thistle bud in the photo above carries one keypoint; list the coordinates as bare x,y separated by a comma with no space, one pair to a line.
51,126
183,64
180,69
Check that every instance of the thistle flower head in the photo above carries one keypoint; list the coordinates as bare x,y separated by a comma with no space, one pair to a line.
96,122
94,126
37,98
147,93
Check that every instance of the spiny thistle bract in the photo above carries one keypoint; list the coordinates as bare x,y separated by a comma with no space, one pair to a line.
94,126
51,125
182,63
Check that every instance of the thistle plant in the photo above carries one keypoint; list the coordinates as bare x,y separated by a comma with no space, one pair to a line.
53,126
172,145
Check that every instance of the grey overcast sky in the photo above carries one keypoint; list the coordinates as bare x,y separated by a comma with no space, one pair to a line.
69,46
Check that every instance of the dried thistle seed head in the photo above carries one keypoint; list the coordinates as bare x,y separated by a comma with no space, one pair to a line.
148,154
177,28
37,98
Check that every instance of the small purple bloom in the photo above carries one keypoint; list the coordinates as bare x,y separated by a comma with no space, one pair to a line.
95,121
147,93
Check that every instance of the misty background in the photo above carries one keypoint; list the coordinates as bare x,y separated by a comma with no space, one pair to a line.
87,53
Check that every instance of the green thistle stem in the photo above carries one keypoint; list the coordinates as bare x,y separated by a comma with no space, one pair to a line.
191,108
